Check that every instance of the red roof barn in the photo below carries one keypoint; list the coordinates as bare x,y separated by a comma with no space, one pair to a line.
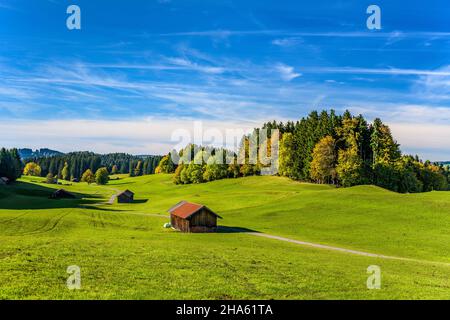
192,217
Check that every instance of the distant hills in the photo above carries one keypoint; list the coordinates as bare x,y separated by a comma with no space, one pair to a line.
40,153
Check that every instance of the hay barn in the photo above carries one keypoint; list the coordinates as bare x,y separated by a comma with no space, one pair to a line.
192,217
62,194
126,196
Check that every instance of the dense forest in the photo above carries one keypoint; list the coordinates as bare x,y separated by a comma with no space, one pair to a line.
343,150
73,165
10,164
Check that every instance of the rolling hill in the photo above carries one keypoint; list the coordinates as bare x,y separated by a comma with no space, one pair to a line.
125,253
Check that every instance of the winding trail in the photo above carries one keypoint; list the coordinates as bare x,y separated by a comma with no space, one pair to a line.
321,246
360,253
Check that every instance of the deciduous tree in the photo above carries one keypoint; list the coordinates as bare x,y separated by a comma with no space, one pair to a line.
88,177
102,176
32,169
323,165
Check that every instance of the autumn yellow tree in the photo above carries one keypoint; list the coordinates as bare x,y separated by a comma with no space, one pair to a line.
286,157
32,169
323,164
88,176
350,165
65,173
165,165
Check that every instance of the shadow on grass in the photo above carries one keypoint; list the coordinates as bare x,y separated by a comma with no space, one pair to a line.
124,182
23,195
90,207
226,229
140,201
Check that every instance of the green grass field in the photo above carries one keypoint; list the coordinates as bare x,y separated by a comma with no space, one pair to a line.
125,253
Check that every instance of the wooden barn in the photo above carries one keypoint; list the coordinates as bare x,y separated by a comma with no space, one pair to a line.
192,217
62,194
126,196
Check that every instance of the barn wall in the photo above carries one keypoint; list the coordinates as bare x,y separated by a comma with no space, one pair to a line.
179,223
203,221
124,199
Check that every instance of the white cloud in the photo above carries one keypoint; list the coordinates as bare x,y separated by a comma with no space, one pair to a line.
379,71
435,87
286,72
194,66
285,33
287,42
153,135
174,64
260,93
148,136
430,141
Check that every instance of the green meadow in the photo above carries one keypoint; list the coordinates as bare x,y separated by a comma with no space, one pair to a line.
125,253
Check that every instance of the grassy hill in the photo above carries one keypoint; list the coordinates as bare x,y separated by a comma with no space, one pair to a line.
125,253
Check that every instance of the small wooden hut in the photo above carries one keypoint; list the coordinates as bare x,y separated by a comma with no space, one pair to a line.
192,217
62,194
126,196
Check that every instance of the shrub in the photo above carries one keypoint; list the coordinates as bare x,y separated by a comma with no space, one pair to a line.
88,177
102,176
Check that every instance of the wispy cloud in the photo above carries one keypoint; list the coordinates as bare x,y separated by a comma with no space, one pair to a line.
285,33
178,65
80,90
287,42
435,87
380,71
151,135
286,72
195,66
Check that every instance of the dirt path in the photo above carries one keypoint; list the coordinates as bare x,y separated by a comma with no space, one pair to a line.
320,246
360,253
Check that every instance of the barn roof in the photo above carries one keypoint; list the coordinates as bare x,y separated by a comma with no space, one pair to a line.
184,209
127,193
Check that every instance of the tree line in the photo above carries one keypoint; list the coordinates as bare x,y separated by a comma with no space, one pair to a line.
346,150
197,164
72,166
343,150
10,164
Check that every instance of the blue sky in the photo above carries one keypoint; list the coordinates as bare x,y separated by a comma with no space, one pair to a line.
138,70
